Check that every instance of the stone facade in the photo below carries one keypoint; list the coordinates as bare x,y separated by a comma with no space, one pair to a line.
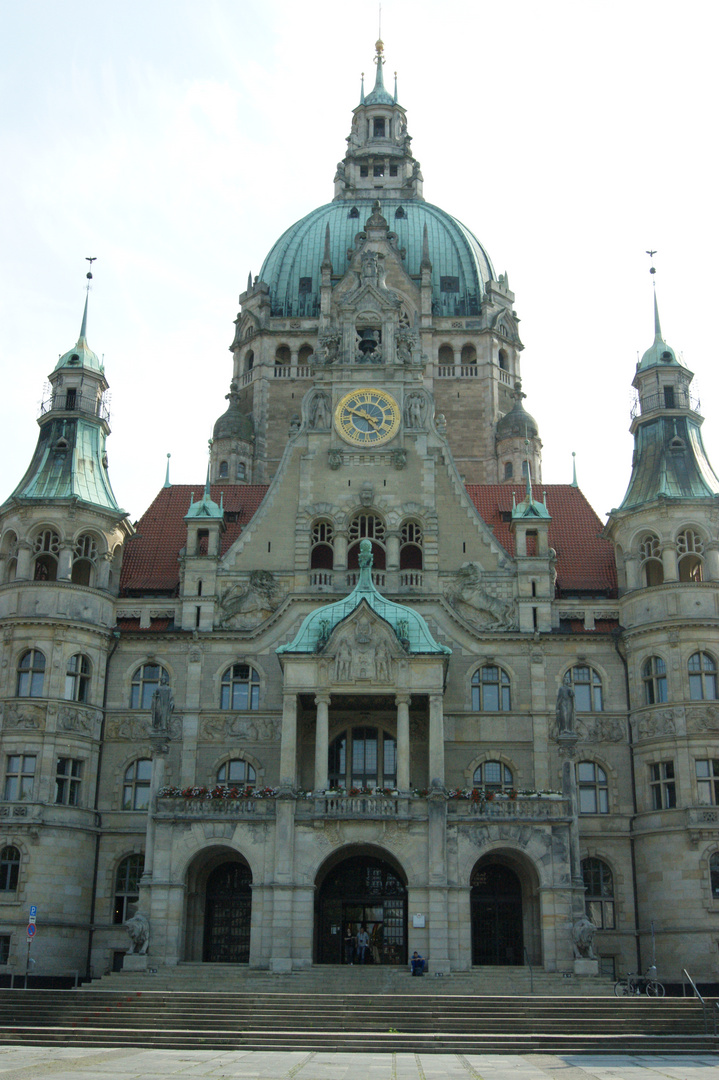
332,751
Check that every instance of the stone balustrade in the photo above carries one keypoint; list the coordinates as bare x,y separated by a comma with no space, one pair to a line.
534,807
209,808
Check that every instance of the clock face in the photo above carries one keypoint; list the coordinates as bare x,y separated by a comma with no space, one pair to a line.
367,417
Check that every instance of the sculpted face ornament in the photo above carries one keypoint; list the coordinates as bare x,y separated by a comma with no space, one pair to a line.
367,417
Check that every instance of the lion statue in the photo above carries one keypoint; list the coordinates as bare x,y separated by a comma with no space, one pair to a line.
138,927
583,931
467,590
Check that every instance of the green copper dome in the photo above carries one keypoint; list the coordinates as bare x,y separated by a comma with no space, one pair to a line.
460,265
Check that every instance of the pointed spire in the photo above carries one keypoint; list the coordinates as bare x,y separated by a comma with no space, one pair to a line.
395,87
83,328
657,326
249,282
379,61
574,469
362,90
327,257
167,483
426,261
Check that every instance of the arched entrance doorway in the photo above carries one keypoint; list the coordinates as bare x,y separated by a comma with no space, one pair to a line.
496,912
362,890
228,911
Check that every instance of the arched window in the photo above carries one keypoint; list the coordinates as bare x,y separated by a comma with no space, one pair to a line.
31,674
598,893
46,548
593,788
249,360
282,355
136,785
702,677
502,358
714,875
9,868
654,674
224,470
363,757
370,527
145,682
650,555
690,552
508,470
587,686
493,776
303,356
446,355
354,212
127,887
491,689
77,679
322,549
410,546
84,560
469,354
236,773
240,688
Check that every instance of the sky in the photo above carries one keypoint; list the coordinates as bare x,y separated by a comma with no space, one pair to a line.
176,140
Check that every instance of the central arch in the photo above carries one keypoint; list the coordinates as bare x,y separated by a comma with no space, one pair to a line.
497,914
364,887
219,908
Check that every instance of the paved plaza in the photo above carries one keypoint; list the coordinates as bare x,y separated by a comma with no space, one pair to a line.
65,1063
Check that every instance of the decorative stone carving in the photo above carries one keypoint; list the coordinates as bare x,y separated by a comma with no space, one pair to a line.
470,600
25,717
363,652
138,929
246,729
399,459
703,718
415,408
73,719
600,729
654,725
163,704
134,728
583,931
245,606
334,458
565,709
328,342
320,412
406,345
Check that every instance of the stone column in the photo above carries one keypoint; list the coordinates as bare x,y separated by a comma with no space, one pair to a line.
392,539
64,562
402,702
322,701
669,562
160,750
340,549
24,551
436,741
288,742
633,574
103,571
712,561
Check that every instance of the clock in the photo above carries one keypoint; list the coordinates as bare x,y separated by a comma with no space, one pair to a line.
367,417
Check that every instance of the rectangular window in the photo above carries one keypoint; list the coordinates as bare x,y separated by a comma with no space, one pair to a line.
708,782
449,284
19,777
305,286
67,781
4,948
663,785
379,129
601,913
378,170
668,397
364,170
393,170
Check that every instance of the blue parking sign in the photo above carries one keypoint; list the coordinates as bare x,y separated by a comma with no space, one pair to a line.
33,909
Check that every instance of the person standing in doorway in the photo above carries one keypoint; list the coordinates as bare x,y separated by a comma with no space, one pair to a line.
349,943
362,944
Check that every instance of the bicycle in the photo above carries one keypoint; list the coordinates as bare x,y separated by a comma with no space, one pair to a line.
635,984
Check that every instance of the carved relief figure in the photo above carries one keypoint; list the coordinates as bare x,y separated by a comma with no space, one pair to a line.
343,662
382,663
320,412
329,346
467,590
250,604
414,408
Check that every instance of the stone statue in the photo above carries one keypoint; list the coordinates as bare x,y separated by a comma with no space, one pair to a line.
138,927
334,457
382,662
162,705
414,411
583,931
329,346
404,348
565,710
468,590
251,603
320,412
343,661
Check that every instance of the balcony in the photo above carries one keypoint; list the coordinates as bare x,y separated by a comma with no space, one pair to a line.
458,371
85,404
206,809
501,807
680,399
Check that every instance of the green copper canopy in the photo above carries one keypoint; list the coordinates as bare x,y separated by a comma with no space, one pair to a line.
411,629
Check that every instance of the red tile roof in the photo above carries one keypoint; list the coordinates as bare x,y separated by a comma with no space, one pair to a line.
585,560
150,562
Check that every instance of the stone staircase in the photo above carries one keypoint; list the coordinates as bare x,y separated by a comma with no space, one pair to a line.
356,979
353,1022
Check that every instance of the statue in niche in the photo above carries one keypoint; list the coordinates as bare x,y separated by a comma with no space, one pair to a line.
414,408
565,710
343,661
320,412
162,705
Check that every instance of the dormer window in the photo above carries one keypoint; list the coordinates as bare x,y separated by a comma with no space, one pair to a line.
354,212
399,212
379,128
